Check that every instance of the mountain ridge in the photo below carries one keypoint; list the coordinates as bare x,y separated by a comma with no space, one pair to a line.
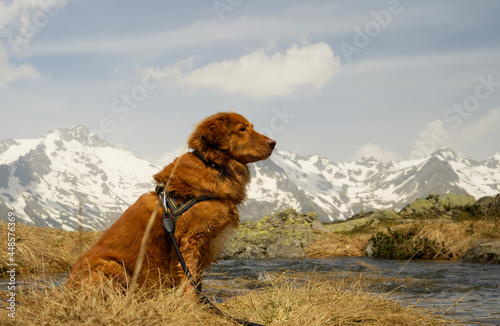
44,180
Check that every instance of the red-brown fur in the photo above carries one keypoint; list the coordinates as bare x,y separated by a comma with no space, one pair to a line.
229,142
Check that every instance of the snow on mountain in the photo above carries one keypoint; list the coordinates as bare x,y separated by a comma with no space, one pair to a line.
45,179
339,190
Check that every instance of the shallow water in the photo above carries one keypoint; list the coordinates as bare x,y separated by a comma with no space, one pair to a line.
429,284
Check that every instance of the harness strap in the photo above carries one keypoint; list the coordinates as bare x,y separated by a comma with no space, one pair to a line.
178,210
169,226
170,201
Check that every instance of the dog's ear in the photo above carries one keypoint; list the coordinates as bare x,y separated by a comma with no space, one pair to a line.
216,132
213,131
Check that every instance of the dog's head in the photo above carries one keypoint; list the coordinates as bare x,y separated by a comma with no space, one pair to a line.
231,135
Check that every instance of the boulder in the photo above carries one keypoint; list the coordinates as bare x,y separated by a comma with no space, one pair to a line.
486,251
489,206
485,202
286,248
421,205
318,226
386,214
252,252
283,234
436,206
350,225
370,249
452,201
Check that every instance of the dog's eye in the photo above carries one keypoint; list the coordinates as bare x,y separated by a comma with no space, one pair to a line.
242,129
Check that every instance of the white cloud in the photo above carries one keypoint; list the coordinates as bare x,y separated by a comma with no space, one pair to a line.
167,157
175,71
257,74
429,140
376,152
15,12
208,32
467,139
21,20
260,75
21,13
483,127
10,72
422,62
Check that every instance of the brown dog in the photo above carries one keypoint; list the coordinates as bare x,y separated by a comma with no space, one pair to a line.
223,145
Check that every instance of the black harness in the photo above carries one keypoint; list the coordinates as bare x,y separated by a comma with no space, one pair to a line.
176,210
172,212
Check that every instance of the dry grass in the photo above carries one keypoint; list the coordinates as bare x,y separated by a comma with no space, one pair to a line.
301,300
309,299
457,238
41,250
338,245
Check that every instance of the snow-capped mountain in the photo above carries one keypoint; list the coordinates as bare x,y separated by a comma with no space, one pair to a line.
339,190
44,180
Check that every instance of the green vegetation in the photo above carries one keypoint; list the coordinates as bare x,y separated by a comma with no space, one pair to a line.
404,244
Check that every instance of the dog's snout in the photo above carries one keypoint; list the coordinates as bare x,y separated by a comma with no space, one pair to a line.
271,143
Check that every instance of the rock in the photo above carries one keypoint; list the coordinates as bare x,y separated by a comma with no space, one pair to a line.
421,205
318,226
486,251
489,206
282,234
252,252
485,202
387,214
433,198
435,206
350,225
286,248
370,249
452,201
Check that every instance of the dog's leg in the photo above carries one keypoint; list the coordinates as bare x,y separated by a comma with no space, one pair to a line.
192,259
97,270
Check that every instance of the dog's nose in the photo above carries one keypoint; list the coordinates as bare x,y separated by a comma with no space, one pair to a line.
271,143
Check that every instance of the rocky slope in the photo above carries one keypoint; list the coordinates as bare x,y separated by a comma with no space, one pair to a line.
464,230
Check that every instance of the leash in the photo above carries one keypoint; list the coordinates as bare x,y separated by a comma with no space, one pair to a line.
168,221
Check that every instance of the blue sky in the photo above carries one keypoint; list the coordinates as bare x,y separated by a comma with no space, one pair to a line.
344,79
